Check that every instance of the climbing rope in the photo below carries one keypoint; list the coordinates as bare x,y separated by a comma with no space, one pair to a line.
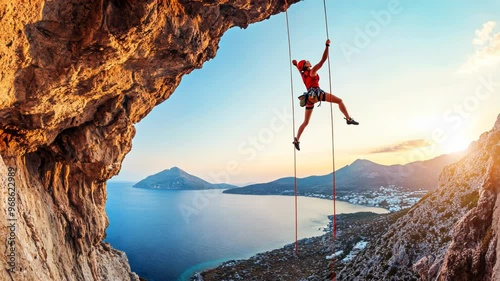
334,181
293,132
334,230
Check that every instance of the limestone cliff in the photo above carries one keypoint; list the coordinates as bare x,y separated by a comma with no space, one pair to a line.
74,77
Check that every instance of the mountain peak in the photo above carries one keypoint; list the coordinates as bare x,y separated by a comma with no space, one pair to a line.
175,169
362,162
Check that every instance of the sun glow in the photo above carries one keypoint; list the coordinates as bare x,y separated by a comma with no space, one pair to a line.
456,144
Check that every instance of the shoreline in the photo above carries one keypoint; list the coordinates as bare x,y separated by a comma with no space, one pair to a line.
317,197
315,254
193,272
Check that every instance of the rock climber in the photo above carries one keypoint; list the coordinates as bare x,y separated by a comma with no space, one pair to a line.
314,93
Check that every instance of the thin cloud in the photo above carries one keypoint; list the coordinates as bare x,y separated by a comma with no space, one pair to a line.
483,35
487,49
403,146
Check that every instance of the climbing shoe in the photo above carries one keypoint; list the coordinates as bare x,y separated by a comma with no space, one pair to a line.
296,144
351,121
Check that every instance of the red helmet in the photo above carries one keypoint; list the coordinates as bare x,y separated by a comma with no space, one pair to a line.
301,64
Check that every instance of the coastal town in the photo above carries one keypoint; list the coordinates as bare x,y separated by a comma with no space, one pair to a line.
393,198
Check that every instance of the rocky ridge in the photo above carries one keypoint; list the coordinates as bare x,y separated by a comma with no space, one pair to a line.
75,76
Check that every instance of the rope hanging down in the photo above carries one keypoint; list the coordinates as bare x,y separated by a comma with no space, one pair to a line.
293,132
334,181
334,230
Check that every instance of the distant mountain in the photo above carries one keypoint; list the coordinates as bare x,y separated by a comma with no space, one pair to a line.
178,179
361,175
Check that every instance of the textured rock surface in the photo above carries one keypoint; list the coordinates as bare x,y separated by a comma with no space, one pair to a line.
74,78
473,253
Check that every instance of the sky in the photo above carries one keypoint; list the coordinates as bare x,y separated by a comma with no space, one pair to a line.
421,77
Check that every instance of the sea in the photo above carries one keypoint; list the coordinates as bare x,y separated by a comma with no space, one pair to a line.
169,235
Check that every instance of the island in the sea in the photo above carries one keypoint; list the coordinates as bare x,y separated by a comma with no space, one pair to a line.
177,179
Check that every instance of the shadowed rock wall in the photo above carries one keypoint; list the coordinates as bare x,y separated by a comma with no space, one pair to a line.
74,77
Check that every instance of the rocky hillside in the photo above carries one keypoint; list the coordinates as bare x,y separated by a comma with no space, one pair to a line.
75,78
451,234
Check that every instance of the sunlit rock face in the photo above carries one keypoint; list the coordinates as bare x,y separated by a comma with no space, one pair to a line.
474,253
74,78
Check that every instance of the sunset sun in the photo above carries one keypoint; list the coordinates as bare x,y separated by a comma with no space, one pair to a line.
456,144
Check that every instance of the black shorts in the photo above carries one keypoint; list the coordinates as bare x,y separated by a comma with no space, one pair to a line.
314,95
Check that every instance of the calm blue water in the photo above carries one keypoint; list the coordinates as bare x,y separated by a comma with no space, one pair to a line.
168,235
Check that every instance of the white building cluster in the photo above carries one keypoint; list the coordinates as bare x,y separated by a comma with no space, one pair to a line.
392,197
